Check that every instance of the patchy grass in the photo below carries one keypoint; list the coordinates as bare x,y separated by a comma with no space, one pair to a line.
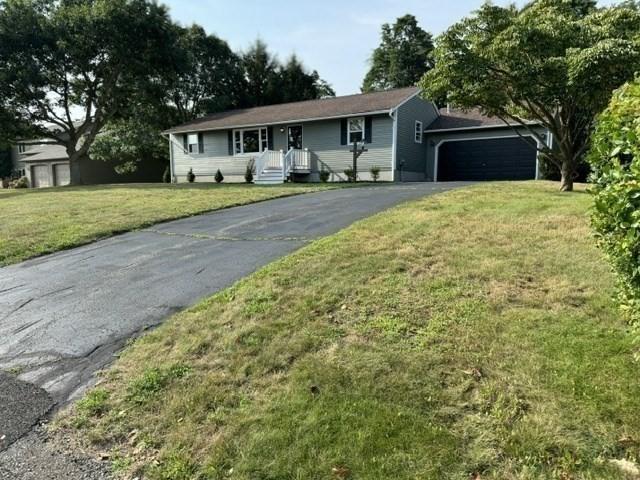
466,335
38,221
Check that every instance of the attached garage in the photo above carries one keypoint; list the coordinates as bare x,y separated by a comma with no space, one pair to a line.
487,159
465,145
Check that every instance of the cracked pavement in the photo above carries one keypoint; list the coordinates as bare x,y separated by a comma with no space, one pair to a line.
65,315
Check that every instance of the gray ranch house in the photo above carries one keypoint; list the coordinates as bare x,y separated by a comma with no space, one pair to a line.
407,138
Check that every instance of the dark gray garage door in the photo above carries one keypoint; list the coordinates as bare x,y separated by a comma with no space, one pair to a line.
496,159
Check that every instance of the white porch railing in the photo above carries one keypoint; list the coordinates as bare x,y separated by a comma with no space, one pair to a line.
300,159
269,160
276,161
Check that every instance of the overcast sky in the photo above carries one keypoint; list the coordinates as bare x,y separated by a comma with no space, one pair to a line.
335,37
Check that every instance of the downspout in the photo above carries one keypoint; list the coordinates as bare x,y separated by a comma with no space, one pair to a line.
394,146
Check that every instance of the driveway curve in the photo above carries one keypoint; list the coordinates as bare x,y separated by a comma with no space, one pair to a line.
64,316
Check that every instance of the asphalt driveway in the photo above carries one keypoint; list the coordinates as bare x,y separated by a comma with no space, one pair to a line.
63,316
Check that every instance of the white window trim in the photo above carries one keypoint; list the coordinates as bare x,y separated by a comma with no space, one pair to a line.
418,129
349,132
261,140
196,144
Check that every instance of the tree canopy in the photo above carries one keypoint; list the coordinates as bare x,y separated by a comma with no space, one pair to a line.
74,70
403,57
554,62
269,82
58,58
208,77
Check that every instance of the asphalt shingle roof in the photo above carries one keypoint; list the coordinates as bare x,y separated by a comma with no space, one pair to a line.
299,111
455,118
46,152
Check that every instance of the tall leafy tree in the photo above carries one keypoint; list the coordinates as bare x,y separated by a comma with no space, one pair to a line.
403,57
60,57
209,77
296,84
269,82
555,62
261,75
130,141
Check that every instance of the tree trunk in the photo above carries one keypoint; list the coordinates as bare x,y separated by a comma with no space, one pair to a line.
566,177
75,176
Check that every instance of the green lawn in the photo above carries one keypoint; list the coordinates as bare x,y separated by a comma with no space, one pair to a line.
464,336
34,222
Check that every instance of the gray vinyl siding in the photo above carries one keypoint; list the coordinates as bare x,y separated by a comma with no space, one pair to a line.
216,156
322,138
436,139
411,156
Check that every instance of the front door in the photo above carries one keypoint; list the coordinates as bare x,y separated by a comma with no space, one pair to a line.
294,137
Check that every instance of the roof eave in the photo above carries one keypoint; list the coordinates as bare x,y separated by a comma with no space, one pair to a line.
279,122
480,127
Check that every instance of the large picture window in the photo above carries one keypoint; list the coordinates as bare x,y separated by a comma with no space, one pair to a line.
355,130
250,140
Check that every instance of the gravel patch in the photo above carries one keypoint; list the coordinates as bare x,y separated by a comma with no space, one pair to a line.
37,456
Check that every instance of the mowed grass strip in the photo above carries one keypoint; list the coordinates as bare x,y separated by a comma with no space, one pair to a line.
34,222
467,335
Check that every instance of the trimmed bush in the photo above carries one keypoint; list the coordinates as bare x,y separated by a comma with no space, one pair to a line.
615,162
218,177
22,182
191,177
248,174
350,175
324,176
375,173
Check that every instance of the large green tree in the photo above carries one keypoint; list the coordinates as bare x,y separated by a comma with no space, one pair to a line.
296,83
555,62
261,75
64,58
131,141
209,76
269,82
403,57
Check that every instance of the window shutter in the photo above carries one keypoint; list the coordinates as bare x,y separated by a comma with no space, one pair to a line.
270,138
185,143
343,131
368,122
200,143
230,137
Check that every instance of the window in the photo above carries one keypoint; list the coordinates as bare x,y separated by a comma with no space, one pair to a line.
193,145
251,140
418,131
22,148
355,130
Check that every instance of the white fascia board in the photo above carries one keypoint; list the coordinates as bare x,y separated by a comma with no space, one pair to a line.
480,127
280,122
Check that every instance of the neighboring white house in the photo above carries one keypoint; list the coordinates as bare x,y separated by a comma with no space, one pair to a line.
406,137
